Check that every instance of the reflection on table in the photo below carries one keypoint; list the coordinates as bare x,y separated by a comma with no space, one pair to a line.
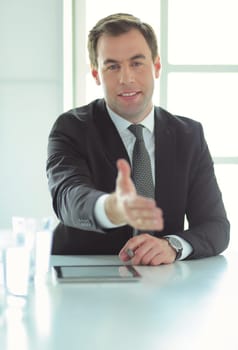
186,305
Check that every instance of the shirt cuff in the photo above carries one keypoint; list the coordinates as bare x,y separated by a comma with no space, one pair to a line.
187,248
100,214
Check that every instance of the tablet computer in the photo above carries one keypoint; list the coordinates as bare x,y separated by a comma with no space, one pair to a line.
96,273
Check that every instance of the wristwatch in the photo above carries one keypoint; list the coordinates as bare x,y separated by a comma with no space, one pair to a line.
176,245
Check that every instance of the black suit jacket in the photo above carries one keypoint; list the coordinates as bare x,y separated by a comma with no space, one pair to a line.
83,148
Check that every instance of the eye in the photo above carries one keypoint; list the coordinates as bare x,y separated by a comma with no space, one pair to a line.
136,64
113,66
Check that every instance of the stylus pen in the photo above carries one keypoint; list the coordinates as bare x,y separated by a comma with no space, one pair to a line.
130,253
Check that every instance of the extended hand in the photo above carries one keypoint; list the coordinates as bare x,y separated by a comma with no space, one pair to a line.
126,206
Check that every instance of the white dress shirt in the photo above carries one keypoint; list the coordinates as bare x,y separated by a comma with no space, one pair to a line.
129,140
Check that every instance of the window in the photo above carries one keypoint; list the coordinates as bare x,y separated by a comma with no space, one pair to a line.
84,17
199,79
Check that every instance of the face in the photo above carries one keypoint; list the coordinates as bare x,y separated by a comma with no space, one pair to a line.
127,74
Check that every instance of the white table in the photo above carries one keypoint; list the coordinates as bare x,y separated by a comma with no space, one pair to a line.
186,306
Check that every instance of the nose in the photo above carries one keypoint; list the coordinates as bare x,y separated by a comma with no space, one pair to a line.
126,75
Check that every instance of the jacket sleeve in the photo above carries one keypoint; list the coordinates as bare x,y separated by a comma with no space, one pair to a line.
69,177
209,228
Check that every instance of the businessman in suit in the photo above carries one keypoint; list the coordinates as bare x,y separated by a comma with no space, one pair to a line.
90,158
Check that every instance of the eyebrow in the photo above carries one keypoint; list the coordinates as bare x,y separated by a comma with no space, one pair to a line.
136,57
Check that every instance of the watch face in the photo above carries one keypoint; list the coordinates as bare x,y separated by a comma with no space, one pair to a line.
175,243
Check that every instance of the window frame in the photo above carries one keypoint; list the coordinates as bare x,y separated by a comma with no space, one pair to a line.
76,66
185,68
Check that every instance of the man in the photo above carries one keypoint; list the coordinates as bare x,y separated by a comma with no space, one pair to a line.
90,155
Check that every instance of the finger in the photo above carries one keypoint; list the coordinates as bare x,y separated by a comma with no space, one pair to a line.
139,202
147,225
132,244
165,256
139,207
145,219
152,257
159,260
147,255
146,251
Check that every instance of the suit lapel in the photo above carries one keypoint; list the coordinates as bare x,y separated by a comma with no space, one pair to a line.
110,138
165,159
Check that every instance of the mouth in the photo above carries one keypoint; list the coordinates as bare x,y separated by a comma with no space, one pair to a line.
129,94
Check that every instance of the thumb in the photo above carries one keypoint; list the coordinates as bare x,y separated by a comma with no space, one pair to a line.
124,169
124,182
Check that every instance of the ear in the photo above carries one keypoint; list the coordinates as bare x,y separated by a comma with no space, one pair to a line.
95,75
157,66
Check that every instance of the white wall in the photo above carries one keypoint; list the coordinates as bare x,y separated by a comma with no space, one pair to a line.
31,89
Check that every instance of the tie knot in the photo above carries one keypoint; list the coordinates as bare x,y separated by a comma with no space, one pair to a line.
137,130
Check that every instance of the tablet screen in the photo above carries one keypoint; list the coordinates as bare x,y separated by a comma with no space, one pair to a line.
88,273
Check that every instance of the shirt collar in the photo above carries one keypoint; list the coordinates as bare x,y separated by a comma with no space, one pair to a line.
122,124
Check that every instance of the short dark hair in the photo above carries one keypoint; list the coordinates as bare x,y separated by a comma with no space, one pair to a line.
118,24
